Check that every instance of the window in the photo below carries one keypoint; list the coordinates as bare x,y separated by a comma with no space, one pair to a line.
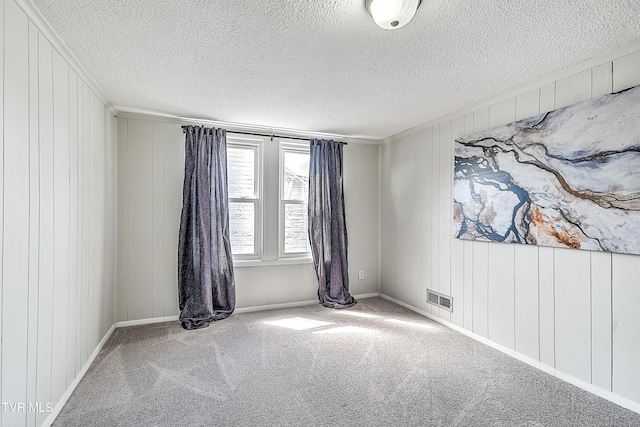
294,194
268,190
245,219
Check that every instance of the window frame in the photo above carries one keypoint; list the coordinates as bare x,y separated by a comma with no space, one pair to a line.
289,146
256,145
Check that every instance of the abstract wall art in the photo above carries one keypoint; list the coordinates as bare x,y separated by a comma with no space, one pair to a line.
568,178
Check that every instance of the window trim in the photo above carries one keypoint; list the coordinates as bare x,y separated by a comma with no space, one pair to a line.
291,146
255,144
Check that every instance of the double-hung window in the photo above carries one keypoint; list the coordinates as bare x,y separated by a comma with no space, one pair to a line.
294,195
245,202
268,180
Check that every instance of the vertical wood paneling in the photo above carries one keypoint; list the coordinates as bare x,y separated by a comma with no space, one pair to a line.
480,284
625,72
526,300
80,227
467,306
426,249
547,97
15,269
157,247
602,80
435,216
41,205
386,235
573,89
500,294
573,313
445,214
122,279
87,191
457,246
410,188
2,30
45,290
113,211
626,318
140,214
72,362
96,205
601,319
60,224
400,190
547,308
34,222
527,104
98,221
502,113
174,170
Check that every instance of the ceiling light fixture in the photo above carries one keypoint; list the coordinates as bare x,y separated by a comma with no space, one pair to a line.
392,14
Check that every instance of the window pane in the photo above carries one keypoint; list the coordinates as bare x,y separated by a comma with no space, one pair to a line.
296,176
242,227
240,171
296,238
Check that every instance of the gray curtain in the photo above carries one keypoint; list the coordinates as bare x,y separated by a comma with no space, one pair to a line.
327,227
206,286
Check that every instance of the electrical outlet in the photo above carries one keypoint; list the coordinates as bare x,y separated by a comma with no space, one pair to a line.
360,274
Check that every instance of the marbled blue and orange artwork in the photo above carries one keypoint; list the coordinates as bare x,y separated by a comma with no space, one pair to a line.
568,178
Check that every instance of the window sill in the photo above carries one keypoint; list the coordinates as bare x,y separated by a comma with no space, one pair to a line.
271,262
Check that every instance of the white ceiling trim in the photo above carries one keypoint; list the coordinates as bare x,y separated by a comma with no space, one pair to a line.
35,16
551,78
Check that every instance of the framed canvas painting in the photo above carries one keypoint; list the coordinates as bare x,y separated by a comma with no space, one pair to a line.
567,178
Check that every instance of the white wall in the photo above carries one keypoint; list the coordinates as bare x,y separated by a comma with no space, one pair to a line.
57,207
151,173
573,311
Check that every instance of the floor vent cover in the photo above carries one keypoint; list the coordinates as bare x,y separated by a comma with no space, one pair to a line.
443,301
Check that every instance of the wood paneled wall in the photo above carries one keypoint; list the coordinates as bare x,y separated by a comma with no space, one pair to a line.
58,221
574,311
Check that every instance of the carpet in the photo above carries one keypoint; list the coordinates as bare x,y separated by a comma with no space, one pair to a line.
374,364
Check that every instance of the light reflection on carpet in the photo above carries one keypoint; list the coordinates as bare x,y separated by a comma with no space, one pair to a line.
357,314
347,330
403,322
298,323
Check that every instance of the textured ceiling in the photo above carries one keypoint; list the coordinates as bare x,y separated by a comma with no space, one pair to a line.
323,65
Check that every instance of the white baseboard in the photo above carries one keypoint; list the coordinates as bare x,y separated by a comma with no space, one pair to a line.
147,321
151,320
363,296
63,400
598,391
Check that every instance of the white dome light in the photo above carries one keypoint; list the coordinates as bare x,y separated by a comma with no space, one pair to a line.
392,14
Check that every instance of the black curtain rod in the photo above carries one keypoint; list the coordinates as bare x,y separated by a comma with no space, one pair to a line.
277,136
272,135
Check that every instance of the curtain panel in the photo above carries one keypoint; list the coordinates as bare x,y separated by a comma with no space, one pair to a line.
206,286
327,225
